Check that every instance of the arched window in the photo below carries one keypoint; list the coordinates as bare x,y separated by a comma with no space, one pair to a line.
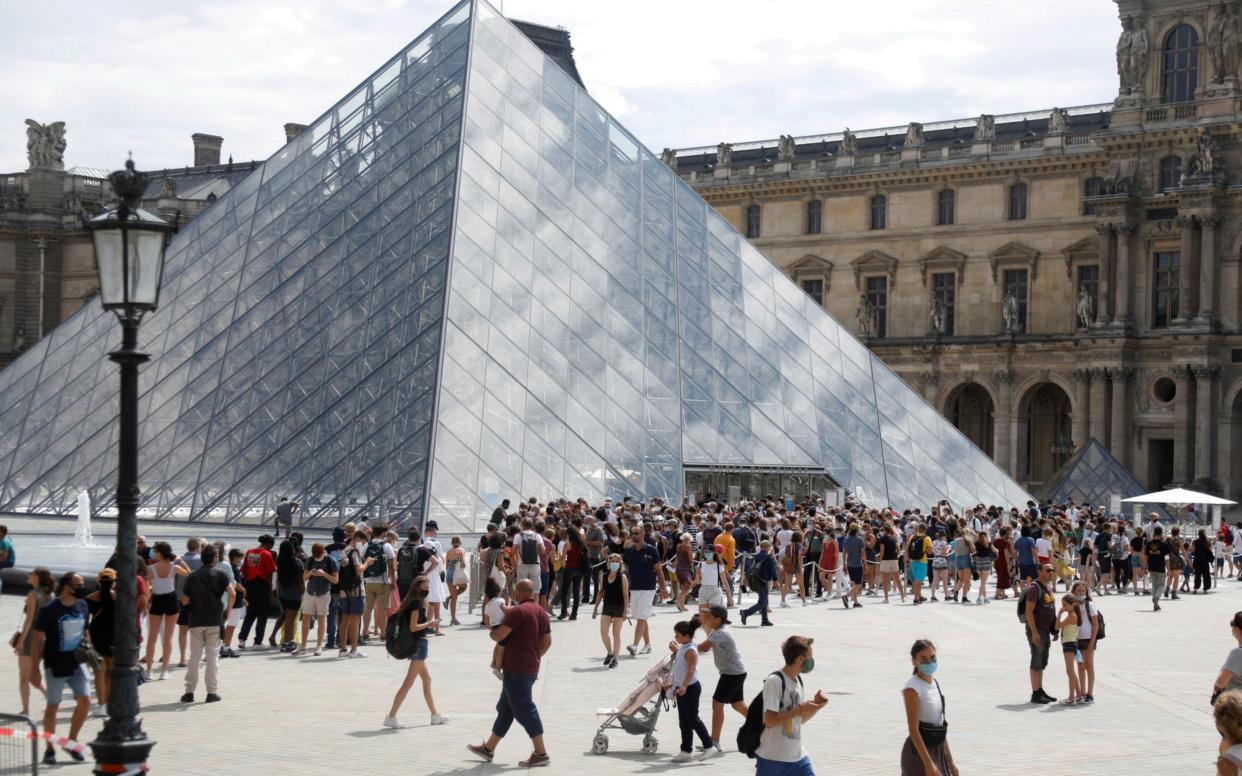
1181,64
752,221
1017,202
879,212
1170,172
946,205
814,216
1091,187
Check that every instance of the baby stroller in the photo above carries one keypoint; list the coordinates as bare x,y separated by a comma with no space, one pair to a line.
634,715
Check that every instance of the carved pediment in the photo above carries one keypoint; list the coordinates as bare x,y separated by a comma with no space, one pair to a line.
941,259
811,266
1014,254
1086,249
874,263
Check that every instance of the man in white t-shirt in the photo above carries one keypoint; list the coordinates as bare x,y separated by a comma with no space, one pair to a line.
784,712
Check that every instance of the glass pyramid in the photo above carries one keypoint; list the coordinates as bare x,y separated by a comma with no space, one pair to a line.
1092,476
465,282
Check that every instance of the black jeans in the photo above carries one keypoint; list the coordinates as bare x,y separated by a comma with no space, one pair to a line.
760,606
689,721
1203,573
571,583
258,596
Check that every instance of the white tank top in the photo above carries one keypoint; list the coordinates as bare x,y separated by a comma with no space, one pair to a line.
709,574
163,585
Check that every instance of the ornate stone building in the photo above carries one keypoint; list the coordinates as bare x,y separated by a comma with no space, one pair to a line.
1046,277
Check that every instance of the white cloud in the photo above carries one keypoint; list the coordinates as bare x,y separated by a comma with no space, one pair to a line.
144,76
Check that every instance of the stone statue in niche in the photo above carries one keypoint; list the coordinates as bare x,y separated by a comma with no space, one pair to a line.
786,148
849,144
1058,122
19,338
914,134
866,316
168,189
985,127
1206,163
724,155
1009,314
1085,309
937,316
669,157
45,144
1222,44
1133,50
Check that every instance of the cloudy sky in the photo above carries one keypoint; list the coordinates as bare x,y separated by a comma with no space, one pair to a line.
145,75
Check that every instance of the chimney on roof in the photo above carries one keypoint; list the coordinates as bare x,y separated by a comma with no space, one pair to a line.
206,149
293,130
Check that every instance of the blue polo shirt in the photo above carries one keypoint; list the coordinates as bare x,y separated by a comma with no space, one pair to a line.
1025,546
640,566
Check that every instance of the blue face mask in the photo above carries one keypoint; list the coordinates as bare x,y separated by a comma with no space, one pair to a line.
707,556
927,669
614,566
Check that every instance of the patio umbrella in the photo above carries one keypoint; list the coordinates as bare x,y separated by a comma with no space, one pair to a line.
1180,497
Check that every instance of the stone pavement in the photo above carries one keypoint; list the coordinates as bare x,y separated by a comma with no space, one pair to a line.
322,715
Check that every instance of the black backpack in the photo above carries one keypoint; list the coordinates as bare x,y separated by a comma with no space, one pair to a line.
751,731
1099,624
380,566
407,564
397,639
528,549
347,575
917,545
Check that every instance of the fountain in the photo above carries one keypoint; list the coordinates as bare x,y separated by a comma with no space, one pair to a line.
82,534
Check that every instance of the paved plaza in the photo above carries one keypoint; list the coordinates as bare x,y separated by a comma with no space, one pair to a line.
309,715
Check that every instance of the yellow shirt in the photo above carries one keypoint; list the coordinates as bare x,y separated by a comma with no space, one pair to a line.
725,539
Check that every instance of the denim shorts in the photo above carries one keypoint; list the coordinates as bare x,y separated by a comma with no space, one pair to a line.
79,682
351,604
420,649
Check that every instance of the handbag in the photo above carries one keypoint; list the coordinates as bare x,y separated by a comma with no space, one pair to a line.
935,735
85,653
14,639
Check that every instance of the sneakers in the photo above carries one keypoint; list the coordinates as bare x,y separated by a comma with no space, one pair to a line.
766,623
1155,607
846,601
163,674
633,650
857,605
75,755
439,719
99,710
784,605
393,722
646,650
318,652
742,614
212,698
187,698
613,663
49,756
482,751
1042,696
1087,699
682,757
608,658
1069,702
536,760
357,653
342,652
711,752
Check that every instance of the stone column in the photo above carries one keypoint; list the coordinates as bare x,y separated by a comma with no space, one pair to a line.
1181,426
1003,379
1082,380
1205,375
931,386
1207,269
1119,437
1106,250
1122,291
1186,278
1097,418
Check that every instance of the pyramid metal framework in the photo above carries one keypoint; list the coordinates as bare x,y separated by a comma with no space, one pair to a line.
464,282
1093,476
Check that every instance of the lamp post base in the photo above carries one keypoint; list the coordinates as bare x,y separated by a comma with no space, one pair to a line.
114,757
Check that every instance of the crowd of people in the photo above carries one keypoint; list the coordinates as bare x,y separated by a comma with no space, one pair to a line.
622,559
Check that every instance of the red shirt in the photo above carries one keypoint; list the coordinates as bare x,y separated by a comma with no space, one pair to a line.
258,564
529,624
828,556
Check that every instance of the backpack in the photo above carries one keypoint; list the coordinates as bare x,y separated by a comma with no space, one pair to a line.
751,731
407,563
347,573
380,566
397,638
917,545
528,549
1099,624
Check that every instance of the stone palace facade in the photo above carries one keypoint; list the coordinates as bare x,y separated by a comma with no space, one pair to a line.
1046,277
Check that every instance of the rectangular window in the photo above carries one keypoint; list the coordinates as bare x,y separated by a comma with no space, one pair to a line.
814,216
944,291
877,298
1165,288
1017,202
946,202
815,290
1089,281
1015,285
879,212
752,221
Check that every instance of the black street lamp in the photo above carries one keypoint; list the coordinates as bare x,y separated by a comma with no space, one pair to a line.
129,252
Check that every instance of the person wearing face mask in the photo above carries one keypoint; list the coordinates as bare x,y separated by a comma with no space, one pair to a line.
59,630
614,595
710,577
349,584
785,710
413,614
101,603
926,751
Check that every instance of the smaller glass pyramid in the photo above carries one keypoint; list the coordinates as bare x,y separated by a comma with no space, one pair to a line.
1092,476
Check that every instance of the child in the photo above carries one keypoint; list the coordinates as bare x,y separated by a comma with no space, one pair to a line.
238,612
494,617
687,689
1228,713
1068,620
729,688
